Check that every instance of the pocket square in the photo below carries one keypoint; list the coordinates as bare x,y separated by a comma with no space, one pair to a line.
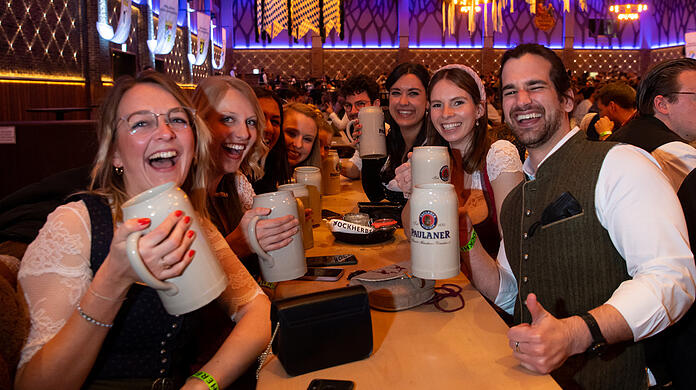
565,206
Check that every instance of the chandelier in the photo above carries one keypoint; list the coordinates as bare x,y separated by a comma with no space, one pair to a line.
472,7
628,11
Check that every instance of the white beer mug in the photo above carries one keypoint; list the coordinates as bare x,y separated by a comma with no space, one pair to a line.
373,137
288,262
301,193
434,231
430,164
203,280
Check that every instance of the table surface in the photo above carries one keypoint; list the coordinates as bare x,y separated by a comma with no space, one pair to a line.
417,348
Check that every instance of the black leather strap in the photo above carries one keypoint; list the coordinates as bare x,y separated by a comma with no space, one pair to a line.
598,340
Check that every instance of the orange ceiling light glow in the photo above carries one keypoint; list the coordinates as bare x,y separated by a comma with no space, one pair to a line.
466,6
38,78
628,11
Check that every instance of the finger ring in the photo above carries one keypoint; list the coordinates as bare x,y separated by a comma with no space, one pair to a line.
517,346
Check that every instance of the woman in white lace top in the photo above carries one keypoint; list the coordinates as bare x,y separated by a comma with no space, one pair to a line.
483,174
148,136
233,113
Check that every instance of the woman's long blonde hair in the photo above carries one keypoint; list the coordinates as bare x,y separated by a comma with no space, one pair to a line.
104,179
311,112
209,93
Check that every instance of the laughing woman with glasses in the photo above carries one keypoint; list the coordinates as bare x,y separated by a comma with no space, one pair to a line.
93,325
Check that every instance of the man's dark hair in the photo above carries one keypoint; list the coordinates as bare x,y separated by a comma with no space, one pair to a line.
618,92
558,74
361,83
661,80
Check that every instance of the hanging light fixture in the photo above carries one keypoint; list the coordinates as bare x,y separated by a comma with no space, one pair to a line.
449,8
628,11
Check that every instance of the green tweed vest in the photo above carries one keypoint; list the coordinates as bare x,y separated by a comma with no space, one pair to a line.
570,264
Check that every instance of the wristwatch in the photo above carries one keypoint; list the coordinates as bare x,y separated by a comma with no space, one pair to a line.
599,343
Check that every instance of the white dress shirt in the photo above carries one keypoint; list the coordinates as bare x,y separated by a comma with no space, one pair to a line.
638,207
677,160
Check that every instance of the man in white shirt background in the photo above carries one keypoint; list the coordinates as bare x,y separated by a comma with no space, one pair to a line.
666,102
594,256
359,91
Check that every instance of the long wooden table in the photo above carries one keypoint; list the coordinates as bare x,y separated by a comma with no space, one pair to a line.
420,348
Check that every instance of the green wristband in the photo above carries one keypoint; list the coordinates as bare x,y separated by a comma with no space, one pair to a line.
269,285
471,242
207,378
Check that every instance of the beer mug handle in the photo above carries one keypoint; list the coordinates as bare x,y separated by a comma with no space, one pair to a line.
139,267
348,131
265,257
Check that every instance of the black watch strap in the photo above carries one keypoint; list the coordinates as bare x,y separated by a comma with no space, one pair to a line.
598,340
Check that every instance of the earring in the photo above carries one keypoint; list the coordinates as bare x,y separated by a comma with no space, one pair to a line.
118,171
477,123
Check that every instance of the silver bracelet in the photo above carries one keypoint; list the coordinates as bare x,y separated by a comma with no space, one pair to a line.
90,319
264,356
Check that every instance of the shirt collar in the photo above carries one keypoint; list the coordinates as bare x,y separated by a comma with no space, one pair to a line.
527,168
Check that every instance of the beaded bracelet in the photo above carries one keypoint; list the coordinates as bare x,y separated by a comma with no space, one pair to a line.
207,378
471,242
90,319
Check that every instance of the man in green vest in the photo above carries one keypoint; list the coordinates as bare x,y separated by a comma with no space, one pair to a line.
594,256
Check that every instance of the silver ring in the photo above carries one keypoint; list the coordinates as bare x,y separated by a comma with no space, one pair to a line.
517,346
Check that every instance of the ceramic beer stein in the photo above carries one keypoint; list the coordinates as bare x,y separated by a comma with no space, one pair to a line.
203,280
430,164
286,263
373,137
434,231
301,193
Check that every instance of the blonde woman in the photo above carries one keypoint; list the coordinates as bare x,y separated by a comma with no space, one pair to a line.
230,109
93,326
301,126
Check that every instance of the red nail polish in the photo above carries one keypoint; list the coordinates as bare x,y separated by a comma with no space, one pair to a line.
191,253
144,221
178,213
189,234
187,219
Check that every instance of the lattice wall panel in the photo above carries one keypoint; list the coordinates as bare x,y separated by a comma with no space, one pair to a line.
659,55
369,22
40,36
351,62
434,59
176,63
276,62
604,61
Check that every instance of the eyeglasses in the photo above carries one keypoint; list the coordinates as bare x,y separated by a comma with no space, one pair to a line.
358,105
682,93
145,122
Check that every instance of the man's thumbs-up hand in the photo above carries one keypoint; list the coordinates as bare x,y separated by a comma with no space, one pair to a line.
546,343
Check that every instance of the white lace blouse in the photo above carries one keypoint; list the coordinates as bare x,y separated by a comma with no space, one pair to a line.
55,273
502,157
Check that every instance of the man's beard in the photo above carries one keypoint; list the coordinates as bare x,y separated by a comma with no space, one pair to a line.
533,138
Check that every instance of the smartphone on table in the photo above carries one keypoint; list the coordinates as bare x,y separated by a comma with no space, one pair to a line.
323,274
324,261
330,384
